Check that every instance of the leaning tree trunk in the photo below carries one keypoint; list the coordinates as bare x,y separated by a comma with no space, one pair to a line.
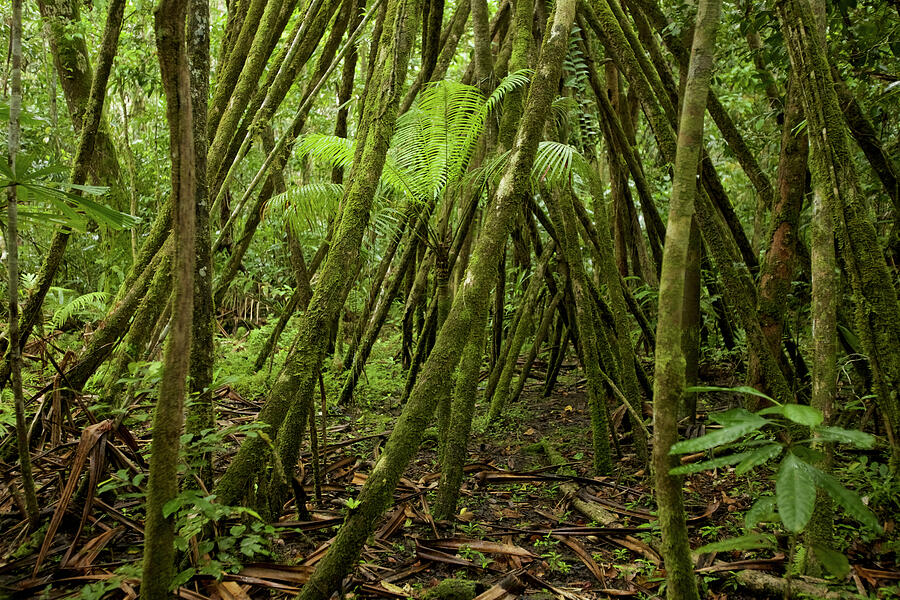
287,406
454,444
469,309
562,212
162,486
834,174
670,363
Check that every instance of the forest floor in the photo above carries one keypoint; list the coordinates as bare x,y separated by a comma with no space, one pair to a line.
526,528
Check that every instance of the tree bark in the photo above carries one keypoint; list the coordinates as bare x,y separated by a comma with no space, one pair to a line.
670,362
287,406
12,262
162,486
469,308
834,174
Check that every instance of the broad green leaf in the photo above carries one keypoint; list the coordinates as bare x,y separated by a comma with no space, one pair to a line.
741,389
805,415
835,562
750,541
709,464
172,506
749,422
848,500
758,457
795,491
735,416
860,439
762,511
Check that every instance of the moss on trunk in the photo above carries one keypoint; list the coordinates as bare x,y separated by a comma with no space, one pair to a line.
469,307
670,363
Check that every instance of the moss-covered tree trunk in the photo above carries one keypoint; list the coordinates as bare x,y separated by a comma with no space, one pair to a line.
518,335
379,316
469,308
777,269
623,351
287,406
539,337
670,364
135,341
834,174
562,211
200,411
90,116
73,65
454,444
12,263
162,486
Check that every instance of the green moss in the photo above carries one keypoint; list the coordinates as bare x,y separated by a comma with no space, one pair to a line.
453,589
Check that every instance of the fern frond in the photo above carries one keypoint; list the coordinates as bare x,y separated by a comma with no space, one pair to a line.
305,207
93,302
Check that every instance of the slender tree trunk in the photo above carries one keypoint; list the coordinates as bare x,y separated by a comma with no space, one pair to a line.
517,336
539,337
91,120
566,222
12,261
670,362
135,342
200,412
469,308
159,533
357,360
287,406
834,176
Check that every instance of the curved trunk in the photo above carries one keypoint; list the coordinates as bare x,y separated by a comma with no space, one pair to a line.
469,309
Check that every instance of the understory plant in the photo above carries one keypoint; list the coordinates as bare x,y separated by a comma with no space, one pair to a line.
787,432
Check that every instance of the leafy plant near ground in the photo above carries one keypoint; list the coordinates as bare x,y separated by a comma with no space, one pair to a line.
756,439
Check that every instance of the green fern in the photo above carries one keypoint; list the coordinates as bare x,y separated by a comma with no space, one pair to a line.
92,303
307,207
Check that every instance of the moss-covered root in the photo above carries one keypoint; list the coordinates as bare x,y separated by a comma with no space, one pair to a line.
670,361
469,306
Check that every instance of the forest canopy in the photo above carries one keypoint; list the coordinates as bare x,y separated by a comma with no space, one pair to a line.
428,299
